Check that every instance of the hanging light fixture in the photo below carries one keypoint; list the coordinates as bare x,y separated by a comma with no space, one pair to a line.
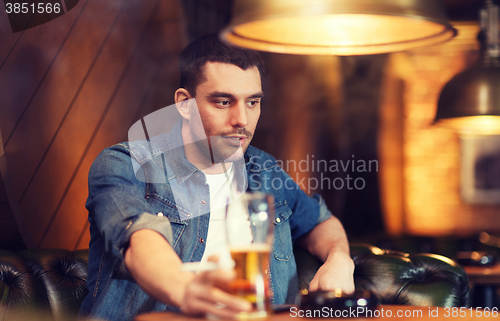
337,27
470,102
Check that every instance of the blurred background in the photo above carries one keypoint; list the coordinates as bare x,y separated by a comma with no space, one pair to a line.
73,86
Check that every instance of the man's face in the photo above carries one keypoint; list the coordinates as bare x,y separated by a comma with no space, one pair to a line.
229,105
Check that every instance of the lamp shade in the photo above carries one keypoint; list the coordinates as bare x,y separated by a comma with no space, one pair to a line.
470,101
338,27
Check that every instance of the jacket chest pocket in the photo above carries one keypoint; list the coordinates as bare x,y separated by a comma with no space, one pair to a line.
164,208
283,247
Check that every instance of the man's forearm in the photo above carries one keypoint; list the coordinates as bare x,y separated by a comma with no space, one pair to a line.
327,237
156,267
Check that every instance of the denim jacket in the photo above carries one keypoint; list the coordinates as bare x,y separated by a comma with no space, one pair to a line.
123,198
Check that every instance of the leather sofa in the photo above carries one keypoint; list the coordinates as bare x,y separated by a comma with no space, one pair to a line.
42,285
50,284
398,278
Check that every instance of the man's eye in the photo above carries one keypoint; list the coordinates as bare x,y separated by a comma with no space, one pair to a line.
253,103
224,103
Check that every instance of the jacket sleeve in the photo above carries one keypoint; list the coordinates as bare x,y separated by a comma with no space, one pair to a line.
308,211
117,205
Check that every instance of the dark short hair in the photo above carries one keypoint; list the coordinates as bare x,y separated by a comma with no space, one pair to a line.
210,49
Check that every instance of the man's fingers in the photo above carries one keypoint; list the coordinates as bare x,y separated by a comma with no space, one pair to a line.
229,301
219,278
209,299
216,295
216,290
314,285
213,258
217,309
329,282
209,292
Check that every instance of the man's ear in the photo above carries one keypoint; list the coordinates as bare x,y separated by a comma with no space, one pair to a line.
182,97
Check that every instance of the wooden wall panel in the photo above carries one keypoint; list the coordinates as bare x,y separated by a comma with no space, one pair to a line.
159,92
10,238
102,77
26,63
66,149
56,94
132,97
7,38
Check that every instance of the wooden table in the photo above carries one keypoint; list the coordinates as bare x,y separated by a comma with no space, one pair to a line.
385,313
485,280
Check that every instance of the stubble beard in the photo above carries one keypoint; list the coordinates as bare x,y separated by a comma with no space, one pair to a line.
221,151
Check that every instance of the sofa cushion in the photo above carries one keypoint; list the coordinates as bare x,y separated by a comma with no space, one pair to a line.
48,284
19,287
63,277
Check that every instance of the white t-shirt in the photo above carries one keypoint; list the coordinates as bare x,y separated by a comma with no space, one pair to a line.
222,188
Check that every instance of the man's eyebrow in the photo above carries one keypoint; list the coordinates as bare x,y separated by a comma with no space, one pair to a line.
218,94
257,95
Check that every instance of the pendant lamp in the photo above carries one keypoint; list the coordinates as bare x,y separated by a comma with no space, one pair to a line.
470,101
337,27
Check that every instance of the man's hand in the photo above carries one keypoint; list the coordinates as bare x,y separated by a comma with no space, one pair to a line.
208,293
335,273
158,270
328,242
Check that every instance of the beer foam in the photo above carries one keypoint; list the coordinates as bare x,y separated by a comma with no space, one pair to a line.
259,247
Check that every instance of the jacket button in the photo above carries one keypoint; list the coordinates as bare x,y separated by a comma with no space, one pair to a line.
278,220
201,240
160,214
203,202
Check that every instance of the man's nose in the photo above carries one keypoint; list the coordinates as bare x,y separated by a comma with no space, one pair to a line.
239,117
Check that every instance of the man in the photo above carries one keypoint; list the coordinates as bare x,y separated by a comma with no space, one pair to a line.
151,204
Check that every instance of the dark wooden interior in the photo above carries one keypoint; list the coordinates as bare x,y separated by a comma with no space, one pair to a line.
70,88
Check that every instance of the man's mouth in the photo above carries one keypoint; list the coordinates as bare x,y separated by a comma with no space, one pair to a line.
235,138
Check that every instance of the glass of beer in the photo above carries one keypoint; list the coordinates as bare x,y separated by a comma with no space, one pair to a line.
249,227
